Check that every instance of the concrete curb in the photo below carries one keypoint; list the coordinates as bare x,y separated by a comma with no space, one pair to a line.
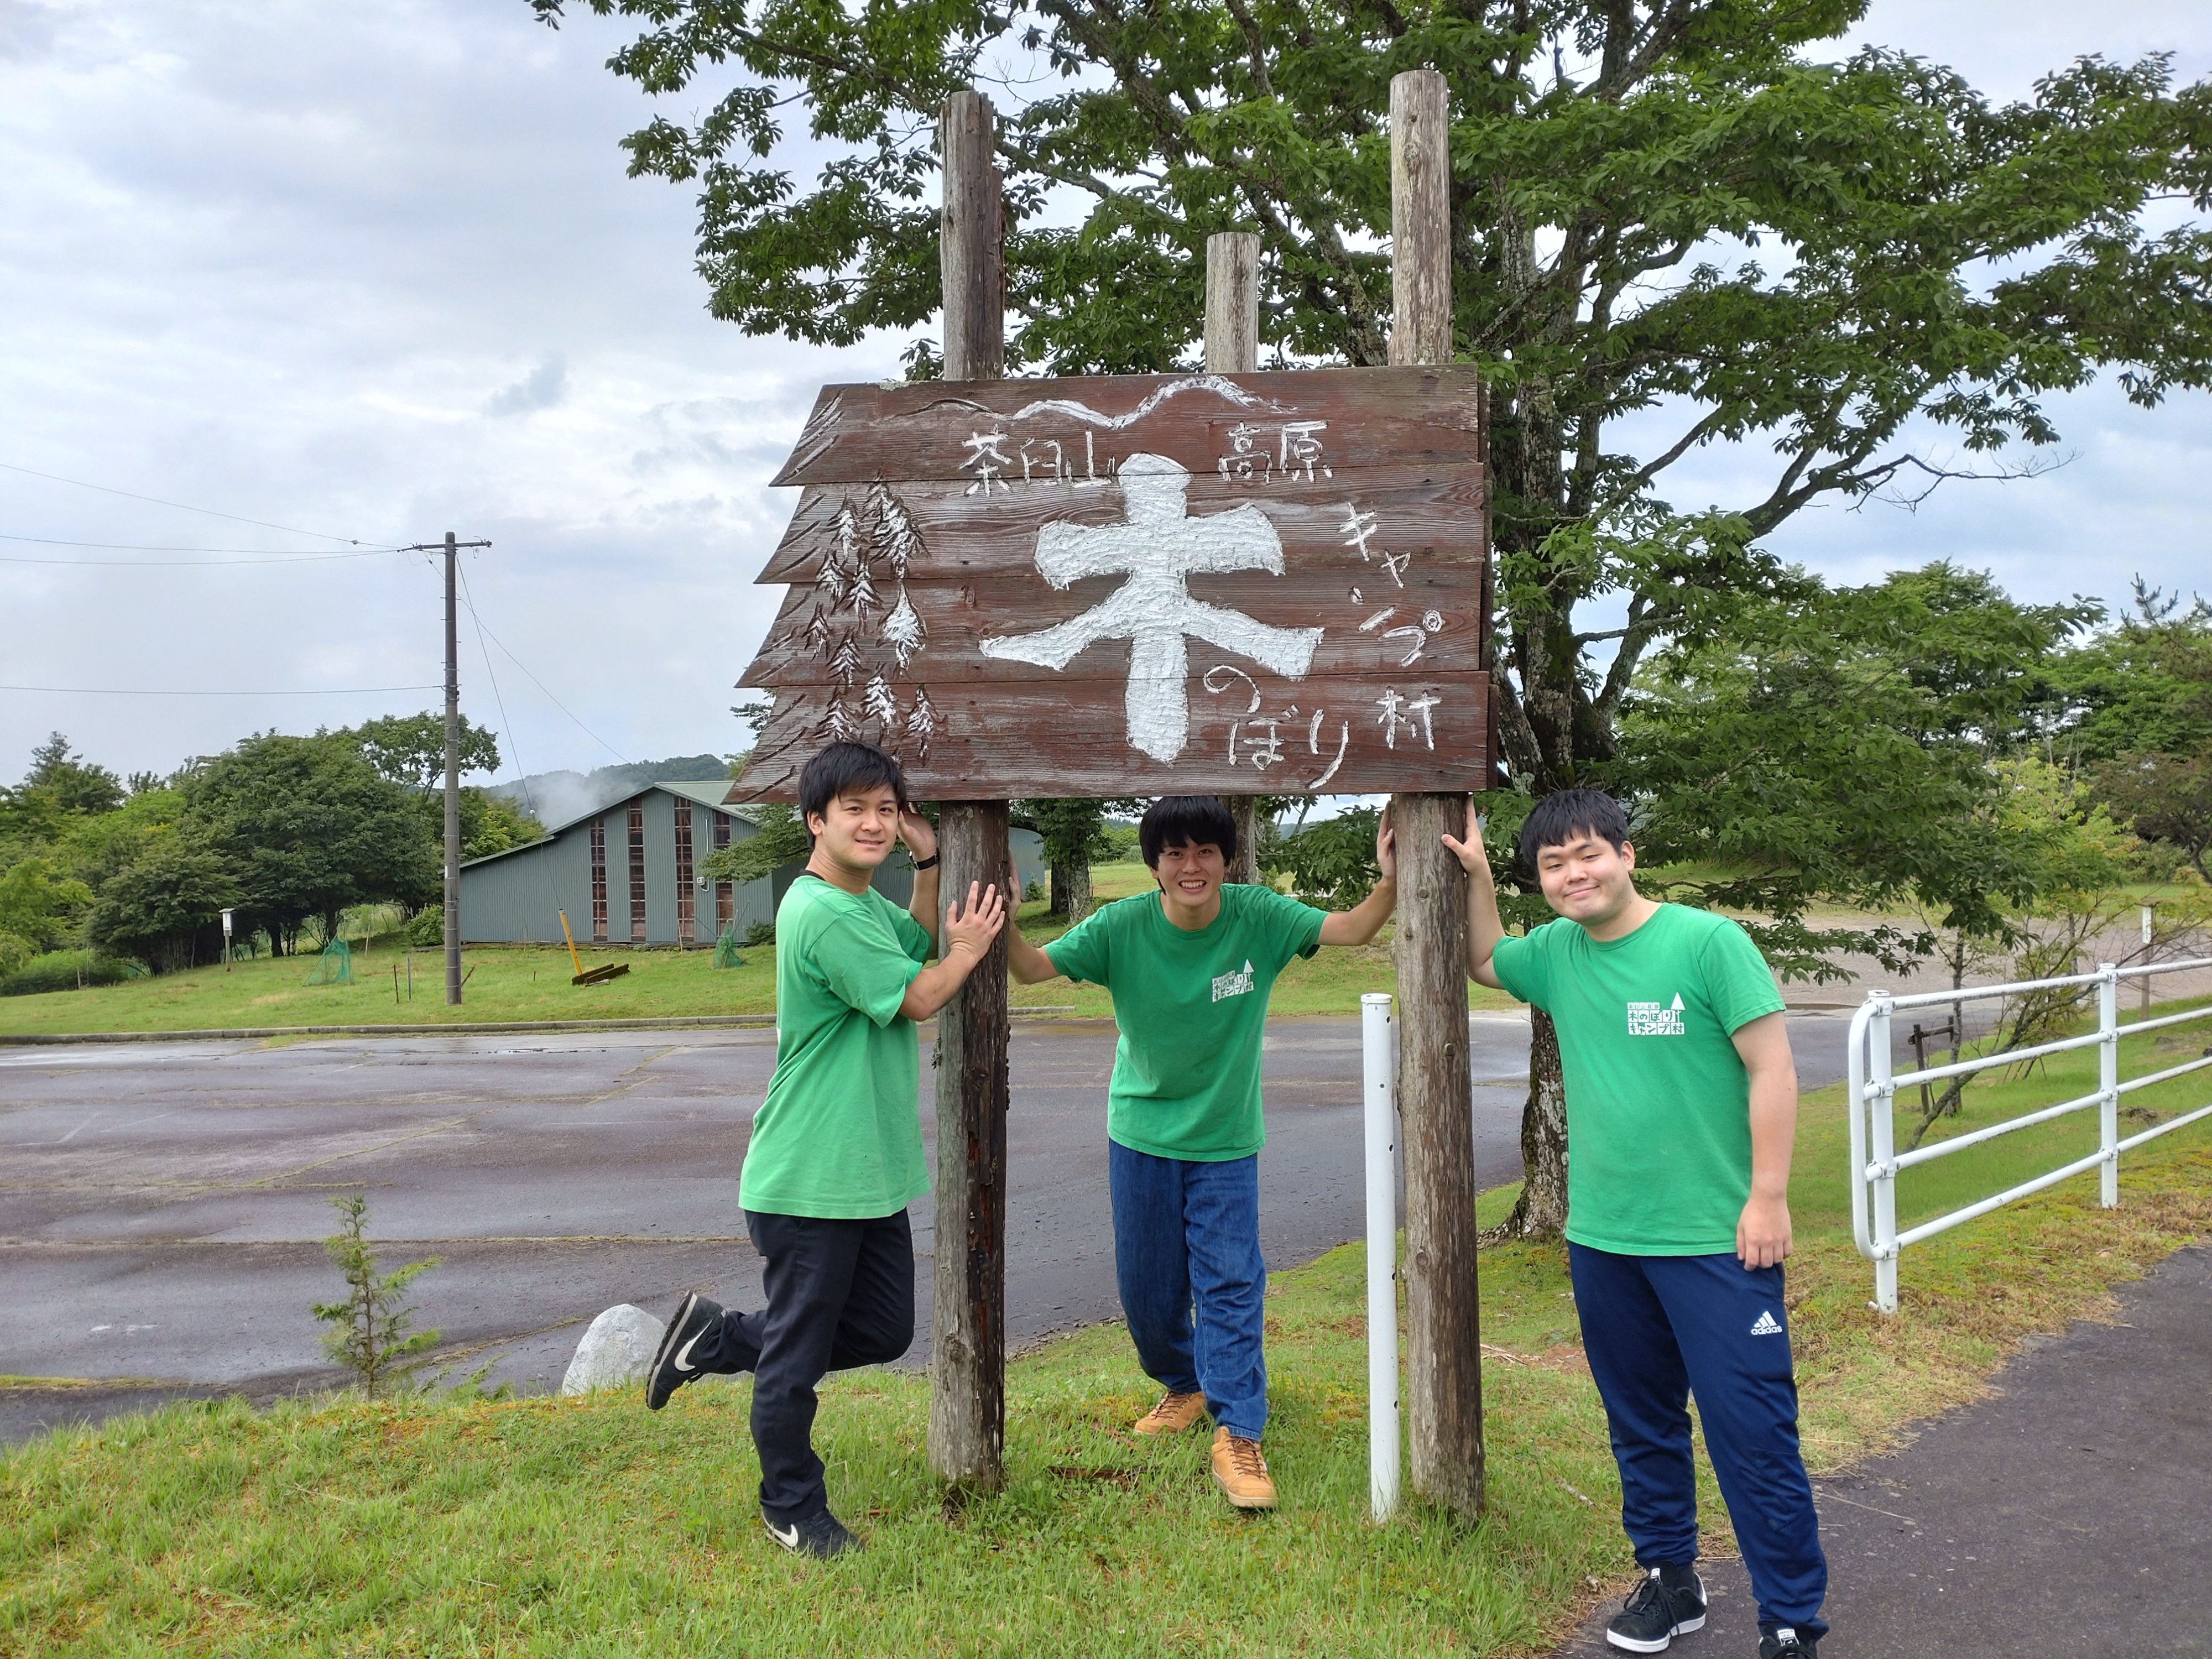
501,1028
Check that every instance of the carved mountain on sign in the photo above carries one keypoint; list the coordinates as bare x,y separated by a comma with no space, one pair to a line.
1136,584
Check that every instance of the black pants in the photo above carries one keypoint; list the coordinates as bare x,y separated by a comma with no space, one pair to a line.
839,1294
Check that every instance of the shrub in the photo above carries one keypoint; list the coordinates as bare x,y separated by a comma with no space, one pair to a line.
68,970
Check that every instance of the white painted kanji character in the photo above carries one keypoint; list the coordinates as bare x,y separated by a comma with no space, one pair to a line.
1159,548
986,460
1244,455
1301,449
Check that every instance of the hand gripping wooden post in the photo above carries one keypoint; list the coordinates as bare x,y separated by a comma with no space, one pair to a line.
1435,1088
967,1325
1232,347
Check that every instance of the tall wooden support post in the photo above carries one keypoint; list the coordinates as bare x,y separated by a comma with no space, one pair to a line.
967,1328
452,784
1232,347
1435,1088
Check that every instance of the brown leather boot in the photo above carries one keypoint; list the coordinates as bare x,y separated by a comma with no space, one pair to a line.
1175,1413
1240,1472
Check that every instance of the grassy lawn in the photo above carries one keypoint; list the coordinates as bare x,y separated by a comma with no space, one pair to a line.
447,1526
531,983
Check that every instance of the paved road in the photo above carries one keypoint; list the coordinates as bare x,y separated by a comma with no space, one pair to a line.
2064,1517
160,1206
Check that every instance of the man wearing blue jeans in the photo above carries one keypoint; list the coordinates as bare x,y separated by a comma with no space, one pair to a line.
1681,1107
1190,968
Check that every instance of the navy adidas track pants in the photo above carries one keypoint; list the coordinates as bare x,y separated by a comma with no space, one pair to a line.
1660,1328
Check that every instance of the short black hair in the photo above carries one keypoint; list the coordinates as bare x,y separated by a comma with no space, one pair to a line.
1186,821
843,768
1557,819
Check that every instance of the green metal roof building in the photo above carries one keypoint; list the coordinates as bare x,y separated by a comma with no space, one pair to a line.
627,873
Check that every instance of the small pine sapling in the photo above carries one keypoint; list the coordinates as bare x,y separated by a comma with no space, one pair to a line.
368,1332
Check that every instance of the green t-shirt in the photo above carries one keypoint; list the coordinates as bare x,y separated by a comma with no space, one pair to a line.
1658,1102
1191,1008
840,1134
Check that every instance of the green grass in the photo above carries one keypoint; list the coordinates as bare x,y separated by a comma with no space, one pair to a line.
555,1527
531,983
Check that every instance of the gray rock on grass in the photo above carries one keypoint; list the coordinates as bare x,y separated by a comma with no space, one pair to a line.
616,1351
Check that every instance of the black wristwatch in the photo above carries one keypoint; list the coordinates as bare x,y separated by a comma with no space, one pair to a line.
929,863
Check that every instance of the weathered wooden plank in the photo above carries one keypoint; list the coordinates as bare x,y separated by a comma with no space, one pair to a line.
1349,735
968,1323
1432,624
1434,1082
1304,422
1425,511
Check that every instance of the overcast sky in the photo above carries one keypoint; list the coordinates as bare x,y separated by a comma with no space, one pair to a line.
374,272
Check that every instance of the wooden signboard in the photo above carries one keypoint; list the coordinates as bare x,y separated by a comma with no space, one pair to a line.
1252,583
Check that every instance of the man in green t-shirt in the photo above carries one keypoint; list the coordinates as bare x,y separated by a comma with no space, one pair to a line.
1190,967
1681,1107
836,1152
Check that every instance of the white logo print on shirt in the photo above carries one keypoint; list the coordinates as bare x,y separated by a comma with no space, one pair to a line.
1655,1018
1233,985
1765,1325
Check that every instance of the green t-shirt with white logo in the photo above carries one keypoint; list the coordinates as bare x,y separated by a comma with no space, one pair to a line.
1191,1007
1658,1102
840,1134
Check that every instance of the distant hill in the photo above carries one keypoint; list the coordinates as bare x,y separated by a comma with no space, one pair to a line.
561,796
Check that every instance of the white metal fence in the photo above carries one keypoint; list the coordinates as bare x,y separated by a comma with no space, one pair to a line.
1872,1102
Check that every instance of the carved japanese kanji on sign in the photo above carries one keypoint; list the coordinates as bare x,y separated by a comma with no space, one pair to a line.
1266,583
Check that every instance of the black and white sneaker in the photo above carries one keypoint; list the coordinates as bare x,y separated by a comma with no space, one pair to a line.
1668,1603
1782,1642
671,1367
820,1534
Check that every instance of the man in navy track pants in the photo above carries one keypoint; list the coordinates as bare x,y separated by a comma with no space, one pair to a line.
1681,1107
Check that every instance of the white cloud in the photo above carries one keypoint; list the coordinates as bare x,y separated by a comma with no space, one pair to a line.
377,272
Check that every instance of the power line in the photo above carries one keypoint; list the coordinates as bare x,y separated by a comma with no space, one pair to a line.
182,507
300,557
132,691
542,686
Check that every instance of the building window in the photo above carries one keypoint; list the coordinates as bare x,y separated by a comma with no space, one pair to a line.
637,874
600,882
684,911
726,894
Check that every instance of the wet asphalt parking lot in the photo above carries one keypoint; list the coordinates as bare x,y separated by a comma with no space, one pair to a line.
162,1205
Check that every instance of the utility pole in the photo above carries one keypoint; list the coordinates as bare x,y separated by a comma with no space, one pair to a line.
451,549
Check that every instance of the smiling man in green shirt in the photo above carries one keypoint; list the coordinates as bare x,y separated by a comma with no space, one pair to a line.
836,1152
1190,966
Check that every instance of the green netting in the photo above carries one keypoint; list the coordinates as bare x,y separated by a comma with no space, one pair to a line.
334,966
725,948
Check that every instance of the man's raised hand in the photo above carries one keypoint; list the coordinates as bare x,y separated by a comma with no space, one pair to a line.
1386,848
1474,857
985,916
920,837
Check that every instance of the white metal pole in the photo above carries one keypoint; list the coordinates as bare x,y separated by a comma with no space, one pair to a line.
1378,1069
1881,1145
2108,1083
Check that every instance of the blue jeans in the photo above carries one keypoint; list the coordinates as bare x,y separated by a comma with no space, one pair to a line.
1658,1328
1187,1238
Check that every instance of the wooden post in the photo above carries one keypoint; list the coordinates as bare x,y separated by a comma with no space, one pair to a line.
968,1326
1435,1088
1232,347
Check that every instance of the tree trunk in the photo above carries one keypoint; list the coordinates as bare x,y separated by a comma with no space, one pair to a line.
1541,1210
1070,892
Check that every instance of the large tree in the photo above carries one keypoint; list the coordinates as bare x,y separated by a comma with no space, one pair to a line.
1668,210
305,827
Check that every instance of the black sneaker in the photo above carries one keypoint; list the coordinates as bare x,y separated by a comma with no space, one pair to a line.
1781,1642
820,1534
671,1366
1668,1603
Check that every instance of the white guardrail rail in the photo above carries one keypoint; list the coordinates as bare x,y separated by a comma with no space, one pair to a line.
1871,1102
